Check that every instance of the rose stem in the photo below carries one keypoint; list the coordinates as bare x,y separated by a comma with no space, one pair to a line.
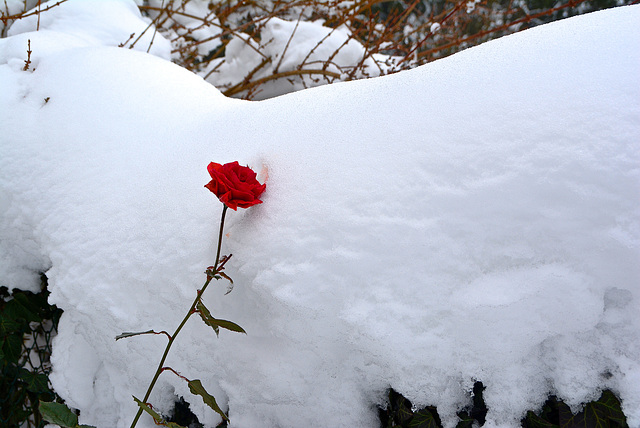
184,321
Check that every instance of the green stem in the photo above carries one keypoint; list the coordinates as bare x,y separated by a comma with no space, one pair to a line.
184,321
224,212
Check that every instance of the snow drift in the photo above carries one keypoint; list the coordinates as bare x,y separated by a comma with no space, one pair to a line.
476,218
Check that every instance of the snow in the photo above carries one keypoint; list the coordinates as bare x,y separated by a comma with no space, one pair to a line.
96,23
477,218
289,47
207,33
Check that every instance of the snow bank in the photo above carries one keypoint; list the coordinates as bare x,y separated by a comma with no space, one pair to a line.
473,219
87,23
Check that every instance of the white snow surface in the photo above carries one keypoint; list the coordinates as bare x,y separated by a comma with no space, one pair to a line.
91,23
477,218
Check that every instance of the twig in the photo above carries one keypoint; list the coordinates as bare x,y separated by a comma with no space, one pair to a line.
286,47
4,19
39,10
245,86
528,18
155,31
131,36
27,63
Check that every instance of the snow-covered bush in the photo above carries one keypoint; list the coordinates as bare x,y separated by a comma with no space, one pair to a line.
261,49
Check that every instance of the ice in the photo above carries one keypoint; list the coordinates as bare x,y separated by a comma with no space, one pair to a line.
477,218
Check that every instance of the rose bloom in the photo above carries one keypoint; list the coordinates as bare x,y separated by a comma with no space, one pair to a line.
235,185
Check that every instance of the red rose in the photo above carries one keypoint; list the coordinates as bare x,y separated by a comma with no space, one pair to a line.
235,185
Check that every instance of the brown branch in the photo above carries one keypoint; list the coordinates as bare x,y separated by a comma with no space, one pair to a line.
457,7
528,18
4,19
27,63
39,10
286,47
252,84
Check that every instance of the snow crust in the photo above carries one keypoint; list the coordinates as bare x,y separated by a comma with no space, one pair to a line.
477,218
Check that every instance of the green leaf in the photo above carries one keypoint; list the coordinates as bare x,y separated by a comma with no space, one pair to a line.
229,325
8,325
423,419
598,414
590,417
401,412
217,323
20,308
404,415
58,414
595,416
564,414
611,406
195,386
535,421
32,305
131,334
12,348
159,420
36,382
148,409
206,317
466,421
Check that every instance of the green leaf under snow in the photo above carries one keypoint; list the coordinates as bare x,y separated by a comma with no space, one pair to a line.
195,386
611,406
159,420
604,413
465,421
596,415
58,414
215,323
535,421
29,307
564,414
131,334
423,419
